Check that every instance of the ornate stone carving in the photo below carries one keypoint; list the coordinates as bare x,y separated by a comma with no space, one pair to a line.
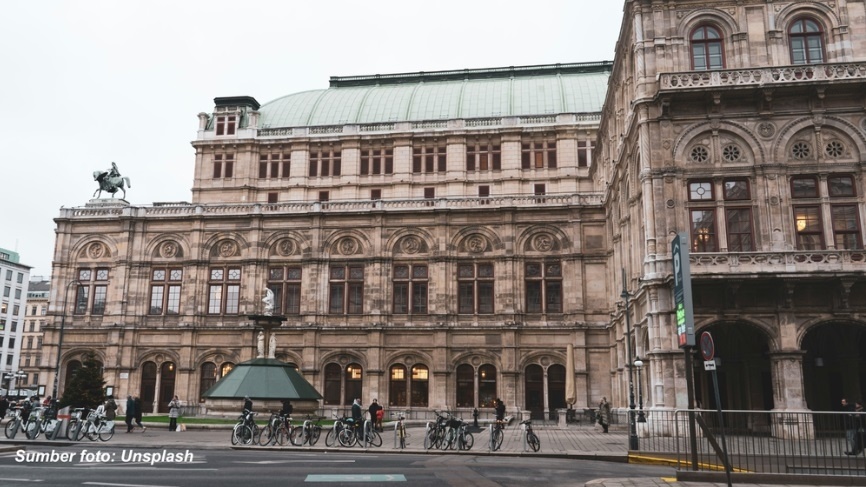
95,250
286,247
766,130
476,244
168,250
410,245
348,246
227,248
543,242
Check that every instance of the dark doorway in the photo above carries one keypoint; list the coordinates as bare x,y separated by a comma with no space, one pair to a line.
556,387
534,387
834,365
148,386
168,371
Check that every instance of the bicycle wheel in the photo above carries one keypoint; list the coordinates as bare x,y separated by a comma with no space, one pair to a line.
297,436
12,429
92,431
498,436
448,441
315,434
533,441
70,430
332,438
430,439
374,438
106,433
80,431
283,436
347,438
246,435
266,436
31,430
468,441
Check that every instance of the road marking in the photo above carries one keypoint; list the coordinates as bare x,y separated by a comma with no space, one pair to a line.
268,462
125,485
22,480
356,478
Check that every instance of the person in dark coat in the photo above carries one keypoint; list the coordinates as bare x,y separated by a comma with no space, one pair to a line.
138,412
4,406
130,413
375,418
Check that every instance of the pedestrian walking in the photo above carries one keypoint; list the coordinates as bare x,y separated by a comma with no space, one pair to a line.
604,414
130,413
374,414
173,413
138,413
110,408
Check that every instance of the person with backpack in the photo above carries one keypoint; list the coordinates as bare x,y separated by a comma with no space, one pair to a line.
130,413
110,408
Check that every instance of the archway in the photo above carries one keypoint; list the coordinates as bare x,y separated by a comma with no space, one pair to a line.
744,372
168,372
534,391
834,365
148,386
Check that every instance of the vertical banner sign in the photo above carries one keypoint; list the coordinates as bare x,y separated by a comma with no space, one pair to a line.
683,291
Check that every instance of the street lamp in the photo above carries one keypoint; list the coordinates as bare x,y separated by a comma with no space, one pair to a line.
13,378
632,427
60,338
641,418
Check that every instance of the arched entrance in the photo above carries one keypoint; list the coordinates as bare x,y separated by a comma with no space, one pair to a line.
744,372
148,386
534,389
834,365
168,372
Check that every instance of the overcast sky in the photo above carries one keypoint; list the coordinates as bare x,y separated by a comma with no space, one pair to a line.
85,83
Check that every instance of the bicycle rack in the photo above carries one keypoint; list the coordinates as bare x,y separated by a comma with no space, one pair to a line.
426,433
490,440
368,428
524,438
306,431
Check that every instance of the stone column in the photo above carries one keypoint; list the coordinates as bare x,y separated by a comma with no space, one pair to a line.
792,420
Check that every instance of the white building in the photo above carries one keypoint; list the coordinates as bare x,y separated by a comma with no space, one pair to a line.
14,279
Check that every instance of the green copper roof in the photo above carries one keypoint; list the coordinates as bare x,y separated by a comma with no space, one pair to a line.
263,378
444,95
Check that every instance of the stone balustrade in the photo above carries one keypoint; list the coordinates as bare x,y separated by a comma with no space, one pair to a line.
777,261
769,76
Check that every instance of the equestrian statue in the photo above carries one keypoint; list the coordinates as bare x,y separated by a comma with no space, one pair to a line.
110,181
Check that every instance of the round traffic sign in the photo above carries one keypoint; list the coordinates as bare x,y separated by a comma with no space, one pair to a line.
708,348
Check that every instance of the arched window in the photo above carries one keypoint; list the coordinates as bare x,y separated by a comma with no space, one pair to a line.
556,387
353,383
807,42
333,374
397,386
534,389
465,386
486,386
419,385
707,49
225,368
208,378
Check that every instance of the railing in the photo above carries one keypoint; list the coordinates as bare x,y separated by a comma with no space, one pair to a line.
801,260
554,200
768,442
762,76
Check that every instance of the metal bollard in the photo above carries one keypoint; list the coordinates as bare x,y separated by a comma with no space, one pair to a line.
427,433
490,440
305,432
524,438
336,440
367,430
396,434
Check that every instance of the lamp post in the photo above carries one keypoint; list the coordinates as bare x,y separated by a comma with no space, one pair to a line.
13,377
60,338
641,418
632,427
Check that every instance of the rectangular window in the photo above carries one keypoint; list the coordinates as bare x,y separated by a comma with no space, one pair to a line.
274,165
543,287
375,194
704,231
346,289
325,161
475,288
92,291
8,272
538,154
324,196
804,187
807,220
377,159
840,186
285,283
846,227
428,158
165,287
584,153
736,190
273,197
410,289
700,191
223,165
739,225
224,288
225,125
483,156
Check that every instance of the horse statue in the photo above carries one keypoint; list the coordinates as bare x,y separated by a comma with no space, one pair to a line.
110,181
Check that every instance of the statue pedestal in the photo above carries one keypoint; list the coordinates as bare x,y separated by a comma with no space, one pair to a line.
266,324
106,202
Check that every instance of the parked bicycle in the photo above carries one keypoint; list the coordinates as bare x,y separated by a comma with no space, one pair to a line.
96,426
74,431
400,432
309,433
14,423
531,438
457,437
333,437
356,433
270,432
497,435
435,432
246,431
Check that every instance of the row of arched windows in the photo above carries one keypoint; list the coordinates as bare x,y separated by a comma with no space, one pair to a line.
805,43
